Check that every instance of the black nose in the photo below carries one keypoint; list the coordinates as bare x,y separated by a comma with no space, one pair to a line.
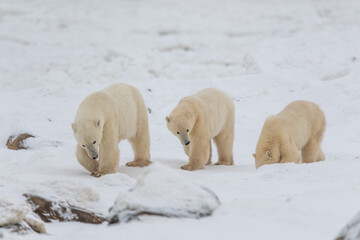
95,157
187,143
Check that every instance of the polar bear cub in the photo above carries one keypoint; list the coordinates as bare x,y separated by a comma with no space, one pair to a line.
103,119
300,126
199,118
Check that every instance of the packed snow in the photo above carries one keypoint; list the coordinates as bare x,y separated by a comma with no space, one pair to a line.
264,54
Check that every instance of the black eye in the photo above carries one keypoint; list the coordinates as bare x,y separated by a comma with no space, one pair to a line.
187,130
83,145
177,132
94,142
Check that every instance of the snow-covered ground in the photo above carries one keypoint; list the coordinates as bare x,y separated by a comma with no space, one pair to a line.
264,54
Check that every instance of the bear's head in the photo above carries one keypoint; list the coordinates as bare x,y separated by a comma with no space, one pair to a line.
88,135
267,155
181,125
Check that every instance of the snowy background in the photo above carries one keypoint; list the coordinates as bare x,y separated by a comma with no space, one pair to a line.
264,54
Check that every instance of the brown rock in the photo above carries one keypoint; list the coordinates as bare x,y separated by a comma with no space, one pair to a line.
15,142
54,211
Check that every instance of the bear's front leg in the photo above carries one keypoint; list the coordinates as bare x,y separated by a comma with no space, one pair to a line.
108,159
321,156
96,174
199,154
187,150
312,152
289,153
83,158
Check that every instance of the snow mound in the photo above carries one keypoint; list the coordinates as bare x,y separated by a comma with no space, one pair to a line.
161,191
118,180
74,193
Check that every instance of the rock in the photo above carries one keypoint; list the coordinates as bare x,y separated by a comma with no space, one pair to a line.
18,218
20,228
36,224
16,142
57,211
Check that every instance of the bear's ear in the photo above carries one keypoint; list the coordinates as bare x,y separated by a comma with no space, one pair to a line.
73,126
188,114
167,119
98,123
254,155
268,155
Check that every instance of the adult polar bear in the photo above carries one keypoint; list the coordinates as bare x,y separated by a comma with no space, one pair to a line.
103,119
300,126
199,118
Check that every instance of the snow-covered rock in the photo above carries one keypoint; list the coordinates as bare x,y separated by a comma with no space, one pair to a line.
162,191
20,214
11,213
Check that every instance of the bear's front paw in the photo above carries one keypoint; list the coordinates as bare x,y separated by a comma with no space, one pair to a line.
189,167
137,163
96,174
229,162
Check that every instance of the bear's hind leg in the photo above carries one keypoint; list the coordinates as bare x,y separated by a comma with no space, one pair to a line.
141,147
224,143
83,158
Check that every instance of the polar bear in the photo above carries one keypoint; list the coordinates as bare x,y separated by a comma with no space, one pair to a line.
103,119
300,126
199,118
